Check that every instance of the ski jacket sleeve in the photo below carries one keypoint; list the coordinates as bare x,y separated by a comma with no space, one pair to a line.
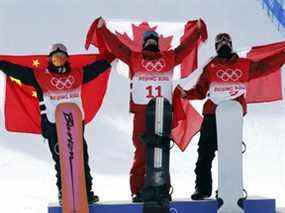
200,90
91,71
116,47
24,74
188,44
266,65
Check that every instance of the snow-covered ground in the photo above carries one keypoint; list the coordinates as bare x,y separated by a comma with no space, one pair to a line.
27,180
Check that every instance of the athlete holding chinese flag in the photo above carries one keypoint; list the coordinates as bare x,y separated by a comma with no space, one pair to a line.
151,72
57,83
223,78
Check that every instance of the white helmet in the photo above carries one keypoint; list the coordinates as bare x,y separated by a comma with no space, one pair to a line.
58,47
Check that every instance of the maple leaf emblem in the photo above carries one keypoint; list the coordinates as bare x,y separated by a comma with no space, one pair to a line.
136,43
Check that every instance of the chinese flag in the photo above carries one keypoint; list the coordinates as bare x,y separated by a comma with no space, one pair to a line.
21,107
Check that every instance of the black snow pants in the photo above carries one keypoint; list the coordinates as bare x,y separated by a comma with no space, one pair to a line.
206,153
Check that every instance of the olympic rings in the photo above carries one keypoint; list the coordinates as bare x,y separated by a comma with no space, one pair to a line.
62,83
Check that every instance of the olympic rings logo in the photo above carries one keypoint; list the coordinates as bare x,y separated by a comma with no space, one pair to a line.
62,83
153,65
229,74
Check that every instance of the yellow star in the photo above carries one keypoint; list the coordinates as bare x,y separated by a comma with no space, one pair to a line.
34,94
17,81
36,63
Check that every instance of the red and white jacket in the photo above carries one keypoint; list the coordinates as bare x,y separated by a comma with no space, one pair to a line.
226,79
150,72
59,88
150,78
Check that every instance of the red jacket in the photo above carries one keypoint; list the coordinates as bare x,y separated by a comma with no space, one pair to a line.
172,57
249,69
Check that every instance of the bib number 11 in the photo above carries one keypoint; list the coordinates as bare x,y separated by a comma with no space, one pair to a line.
153,92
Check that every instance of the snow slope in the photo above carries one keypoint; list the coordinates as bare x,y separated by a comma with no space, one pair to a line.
26,168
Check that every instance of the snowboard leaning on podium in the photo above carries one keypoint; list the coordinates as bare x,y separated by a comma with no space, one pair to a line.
229,119
157,141
70,139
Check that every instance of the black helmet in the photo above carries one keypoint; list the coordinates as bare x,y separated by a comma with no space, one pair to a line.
223,39
150,34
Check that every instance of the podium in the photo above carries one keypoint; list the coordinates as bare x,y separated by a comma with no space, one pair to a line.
251,205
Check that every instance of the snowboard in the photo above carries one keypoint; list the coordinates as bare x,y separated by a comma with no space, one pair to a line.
229,120
157,140
70,139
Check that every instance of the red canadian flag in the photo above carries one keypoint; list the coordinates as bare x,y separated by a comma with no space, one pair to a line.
267,88
21,107
264,89
186,120
188,65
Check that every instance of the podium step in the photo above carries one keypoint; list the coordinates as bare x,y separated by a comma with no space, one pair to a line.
251,205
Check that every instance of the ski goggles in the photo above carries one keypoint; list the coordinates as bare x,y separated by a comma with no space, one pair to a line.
59,59
150,34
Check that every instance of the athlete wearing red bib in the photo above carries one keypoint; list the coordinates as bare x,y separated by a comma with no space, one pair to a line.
151,73
56,84
223,78
60,88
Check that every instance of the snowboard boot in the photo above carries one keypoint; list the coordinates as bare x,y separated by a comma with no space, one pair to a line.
149,194
137,198
200,194
92,198
60,199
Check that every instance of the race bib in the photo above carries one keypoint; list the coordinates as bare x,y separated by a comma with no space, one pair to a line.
219,92
147,86
52,99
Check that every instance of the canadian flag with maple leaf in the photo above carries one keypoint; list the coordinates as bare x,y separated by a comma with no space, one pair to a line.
187,121
20,106
188,65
